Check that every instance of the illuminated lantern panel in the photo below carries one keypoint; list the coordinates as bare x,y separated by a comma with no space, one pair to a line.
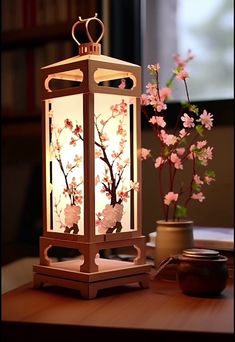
114,157
65,115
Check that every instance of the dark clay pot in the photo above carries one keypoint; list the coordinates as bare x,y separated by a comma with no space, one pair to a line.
200,272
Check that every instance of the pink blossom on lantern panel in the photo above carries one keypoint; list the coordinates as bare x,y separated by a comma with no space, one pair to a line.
68,124
72,215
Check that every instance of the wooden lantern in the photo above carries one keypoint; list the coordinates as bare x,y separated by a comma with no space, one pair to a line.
91,169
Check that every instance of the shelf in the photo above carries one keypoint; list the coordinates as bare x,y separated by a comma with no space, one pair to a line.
36,35
21,129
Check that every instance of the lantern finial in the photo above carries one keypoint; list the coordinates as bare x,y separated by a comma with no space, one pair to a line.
86,43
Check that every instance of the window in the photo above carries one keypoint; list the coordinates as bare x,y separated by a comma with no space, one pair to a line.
205,27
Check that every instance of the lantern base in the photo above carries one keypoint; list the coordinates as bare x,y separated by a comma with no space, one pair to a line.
111,273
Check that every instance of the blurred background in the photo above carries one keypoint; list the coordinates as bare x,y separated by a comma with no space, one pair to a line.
36,33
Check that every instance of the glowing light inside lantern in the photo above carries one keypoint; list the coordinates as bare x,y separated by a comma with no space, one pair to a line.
67,170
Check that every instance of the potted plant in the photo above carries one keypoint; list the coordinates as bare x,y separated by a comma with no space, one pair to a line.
182,160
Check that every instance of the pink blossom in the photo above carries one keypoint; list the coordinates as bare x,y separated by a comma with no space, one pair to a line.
183,133
165,93
154,67
111,215
144,100
151,89
170,197
124,195
205,155
181,63
201,144
197,180
159,161
78,130
122,85
176,161
123,107
68,124
159,120
182,75
169,139
72,141
187,121
207,119
144,153
208,180
158,105
180,151
198,196
72,215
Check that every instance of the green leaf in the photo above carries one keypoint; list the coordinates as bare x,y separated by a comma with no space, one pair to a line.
183,141
210,173
166,151
181,211
185,105
194,109
200,130
196,187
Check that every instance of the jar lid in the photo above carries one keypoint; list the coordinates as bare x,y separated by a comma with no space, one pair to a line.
201,253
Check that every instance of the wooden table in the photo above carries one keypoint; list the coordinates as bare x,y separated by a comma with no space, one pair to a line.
161,311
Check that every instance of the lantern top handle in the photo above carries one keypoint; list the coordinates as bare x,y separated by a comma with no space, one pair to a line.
86,43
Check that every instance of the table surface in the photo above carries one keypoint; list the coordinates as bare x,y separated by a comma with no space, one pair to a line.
161,307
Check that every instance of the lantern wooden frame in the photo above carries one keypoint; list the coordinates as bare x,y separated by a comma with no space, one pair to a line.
90,273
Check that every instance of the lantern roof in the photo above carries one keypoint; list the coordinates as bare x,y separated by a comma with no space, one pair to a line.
98,58
101,74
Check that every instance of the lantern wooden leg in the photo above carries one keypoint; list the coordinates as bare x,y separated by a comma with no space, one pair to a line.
89,253
144,284
88,291
44,247
141,256
37,282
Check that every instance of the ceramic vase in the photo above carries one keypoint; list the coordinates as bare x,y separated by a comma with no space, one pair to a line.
172,238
